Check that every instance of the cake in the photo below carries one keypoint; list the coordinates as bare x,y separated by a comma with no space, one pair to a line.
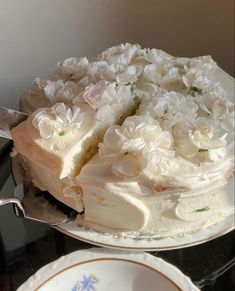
140,140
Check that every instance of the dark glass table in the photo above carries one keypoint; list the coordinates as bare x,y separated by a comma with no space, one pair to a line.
26,246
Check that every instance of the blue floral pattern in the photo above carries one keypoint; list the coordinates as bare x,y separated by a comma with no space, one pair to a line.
86,284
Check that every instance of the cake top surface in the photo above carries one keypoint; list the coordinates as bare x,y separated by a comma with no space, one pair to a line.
185,118
143,70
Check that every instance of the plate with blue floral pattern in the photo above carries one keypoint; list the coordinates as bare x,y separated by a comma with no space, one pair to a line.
103,269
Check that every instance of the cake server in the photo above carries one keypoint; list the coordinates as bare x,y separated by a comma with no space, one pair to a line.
29,202
9,118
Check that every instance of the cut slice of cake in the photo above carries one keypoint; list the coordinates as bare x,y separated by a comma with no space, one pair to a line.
55,142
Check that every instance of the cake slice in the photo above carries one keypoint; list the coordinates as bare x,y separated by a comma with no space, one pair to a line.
55,142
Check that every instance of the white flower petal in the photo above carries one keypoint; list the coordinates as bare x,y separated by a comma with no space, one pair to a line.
74,66
130,75
203,138
126,166
152,73
106,113
121,54
99,94
47,128
54,122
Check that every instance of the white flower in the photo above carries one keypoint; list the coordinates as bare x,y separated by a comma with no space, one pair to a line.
109,100
146,90
132,135
41,82
152,73
219,109
198,71
223,152
54,122
130,75
74,67
170,108
156,56
58,91
200,74
140,58
178,73
216,105
196,78
101,70
120,55
99,94
130,145
35,97
166,75
51,89
114,111
204,63
205,135
204,138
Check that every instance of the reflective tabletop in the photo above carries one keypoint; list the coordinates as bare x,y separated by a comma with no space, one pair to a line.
26,246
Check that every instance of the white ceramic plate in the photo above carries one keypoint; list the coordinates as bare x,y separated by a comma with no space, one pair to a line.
133,242
141,243
101,269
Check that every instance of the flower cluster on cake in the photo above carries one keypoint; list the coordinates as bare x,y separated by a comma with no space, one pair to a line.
136,138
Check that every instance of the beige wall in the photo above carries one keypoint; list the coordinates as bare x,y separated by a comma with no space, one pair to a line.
35,34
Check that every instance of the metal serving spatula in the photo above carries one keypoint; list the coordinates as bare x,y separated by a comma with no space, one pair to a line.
9,118
30,203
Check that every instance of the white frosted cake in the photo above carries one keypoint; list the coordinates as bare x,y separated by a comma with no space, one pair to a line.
138,139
